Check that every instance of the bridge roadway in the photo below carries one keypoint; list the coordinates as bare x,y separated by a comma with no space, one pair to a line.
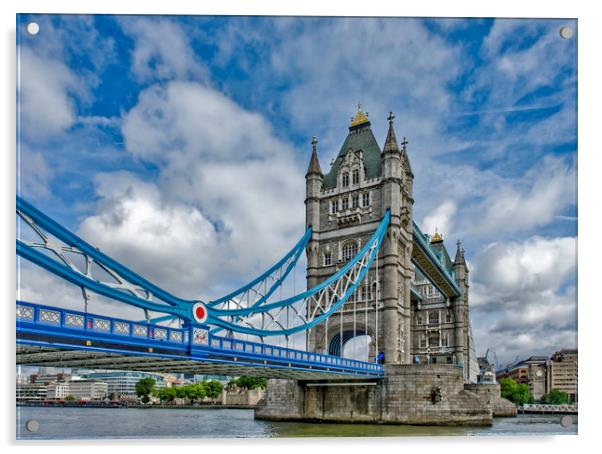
56,337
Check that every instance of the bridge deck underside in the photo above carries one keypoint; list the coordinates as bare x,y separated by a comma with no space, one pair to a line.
36,355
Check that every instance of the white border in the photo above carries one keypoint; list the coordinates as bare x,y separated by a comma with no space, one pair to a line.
590,229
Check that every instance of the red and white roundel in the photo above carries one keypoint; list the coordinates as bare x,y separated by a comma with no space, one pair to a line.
199,312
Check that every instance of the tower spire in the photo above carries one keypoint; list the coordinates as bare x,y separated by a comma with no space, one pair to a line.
391,141
314,163
459,254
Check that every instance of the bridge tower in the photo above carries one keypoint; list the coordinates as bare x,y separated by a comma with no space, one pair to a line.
344,208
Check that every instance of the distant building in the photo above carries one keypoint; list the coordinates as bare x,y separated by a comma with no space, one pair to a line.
486,371
31,391
122,384
45,378
88,389
531,371
58,390
562,372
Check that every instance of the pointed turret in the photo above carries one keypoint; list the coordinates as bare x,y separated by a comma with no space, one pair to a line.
314,163
391,141
459,255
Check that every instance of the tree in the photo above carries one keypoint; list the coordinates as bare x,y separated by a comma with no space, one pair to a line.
244,381
167,394
555,397
70,397
213,389
144,388
519,394
195,391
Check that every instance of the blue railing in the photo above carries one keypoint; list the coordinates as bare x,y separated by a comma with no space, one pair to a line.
196,341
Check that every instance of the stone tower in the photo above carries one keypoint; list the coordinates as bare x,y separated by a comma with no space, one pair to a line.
344,207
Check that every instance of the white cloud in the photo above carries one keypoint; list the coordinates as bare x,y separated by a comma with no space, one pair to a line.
162,50
440,219
33,173
172,245
522,298
44,86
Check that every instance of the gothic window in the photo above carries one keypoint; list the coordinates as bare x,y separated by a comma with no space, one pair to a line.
373,291
445,340
345,203
448,317
349,250
419,319
422,341
345,179
433,317
364,293
355,202
434,340
327,259
335,206
365,199
355,177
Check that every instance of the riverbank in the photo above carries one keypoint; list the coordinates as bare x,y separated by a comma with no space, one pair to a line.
93,404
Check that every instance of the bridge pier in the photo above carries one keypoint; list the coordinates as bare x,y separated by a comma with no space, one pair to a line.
423,394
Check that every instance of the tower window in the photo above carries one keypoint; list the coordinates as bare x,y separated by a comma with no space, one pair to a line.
433,317
355,201
422,341
445,340
448,317
344,203
327,259
434,340
355,177
365,199
345,180
349,250
419,319
335,206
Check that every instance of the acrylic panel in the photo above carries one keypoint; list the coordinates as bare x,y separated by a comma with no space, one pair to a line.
236,226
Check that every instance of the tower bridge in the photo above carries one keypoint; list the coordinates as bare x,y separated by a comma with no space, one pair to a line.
371,272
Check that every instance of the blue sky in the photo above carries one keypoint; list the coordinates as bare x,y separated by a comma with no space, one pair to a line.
178,144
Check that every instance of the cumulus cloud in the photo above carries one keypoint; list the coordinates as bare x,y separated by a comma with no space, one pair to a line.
523,296
440,219
44,84
229,197
162,50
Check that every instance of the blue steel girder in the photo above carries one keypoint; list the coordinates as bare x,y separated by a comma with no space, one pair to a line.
426,261
190,347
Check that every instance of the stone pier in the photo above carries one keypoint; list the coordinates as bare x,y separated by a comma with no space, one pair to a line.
428,394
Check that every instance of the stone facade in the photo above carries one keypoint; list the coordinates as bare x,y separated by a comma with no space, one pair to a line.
344,208
409,394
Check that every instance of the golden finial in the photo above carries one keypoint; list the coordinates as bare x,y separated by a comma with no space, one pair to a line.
360,117
437,237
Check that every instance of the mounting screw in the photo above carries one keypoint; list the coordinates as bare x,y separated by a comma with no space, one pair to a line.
32,425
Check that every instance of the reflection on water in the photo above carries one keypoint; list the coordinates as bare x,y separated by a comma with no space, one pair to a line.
79,423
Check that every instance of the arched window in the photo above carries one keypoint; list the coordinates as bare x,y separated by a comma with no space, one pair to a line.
365,199
355,176
364,293
355,201
349,250
433,317
327,259
419,319
345,179
344,203
373,291
335,206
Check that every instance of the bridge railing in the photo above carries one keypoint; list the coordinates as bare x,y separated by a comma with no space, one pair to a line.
197,341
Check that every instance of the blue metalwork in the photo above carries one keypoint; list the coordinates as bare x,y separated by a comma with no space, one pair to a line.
421,240
66,328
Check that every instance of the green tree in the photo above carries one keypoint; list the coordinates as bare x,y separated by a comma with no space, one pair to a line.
214,389
244,381
167,394
70,397
519,394
555,397
144,388
195,391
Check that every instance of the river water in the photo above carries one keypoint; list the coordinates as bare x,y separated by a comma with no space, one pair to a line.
91,423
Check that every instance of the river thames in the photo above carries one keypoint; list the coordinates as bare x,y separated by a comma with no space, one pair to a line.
90,423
